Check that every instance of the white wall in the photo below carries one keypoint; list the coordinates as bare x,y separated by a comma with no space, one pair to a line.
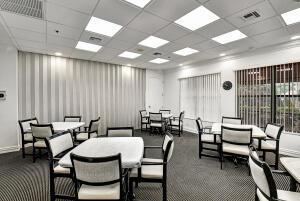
9,107
227,67
154,90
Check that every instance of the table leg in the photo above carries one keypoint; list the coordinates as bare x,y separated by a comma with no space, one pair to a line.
293,184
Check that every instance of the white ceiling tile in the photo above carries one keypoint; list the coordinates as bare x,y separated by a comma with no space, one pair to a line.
263,26
284,6
28,35
52,49
23,22
107,53
64,31
216,28
205,45
171,47
4,37
78,5
272,37
216,50
171,10
31,44
80,54
190,39
131,35
58,40
33,49
294,28
264,9
116,11
247,43
224,8
147,23
117,44
61,15
86,37
172,32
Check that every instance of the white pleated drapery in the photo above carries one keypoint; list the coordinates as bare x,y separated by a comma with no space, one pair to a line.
201,97
51,87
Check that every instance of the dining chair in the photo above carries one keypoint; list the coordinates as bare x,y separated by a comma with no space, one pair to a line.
120,132
166,120
266,189
235,142
271,142
39,133
176,124
144,119
154,170
98,178
89,132
26,134
156,122
58,145
206,137
232,120
163,111
72,119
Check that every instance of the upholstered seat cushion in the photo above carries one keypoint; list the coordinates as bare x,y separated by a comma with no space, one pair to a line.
175,123
145,121
150,171
28,137
210,138
85,136
282,195
61,170
109,192
40,144
156,125
265,145
236,149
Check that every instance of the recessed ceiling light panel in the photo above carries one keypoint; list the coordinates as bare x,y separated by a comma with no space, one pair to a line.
197,18
139,3
103,27
229,37
58,54
186,51
153,42
295,37
88,46
129,55
292,16
159,61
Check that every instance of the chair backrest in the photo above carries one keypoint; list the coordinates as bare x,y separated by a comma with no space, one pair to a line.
181,116
41,131
143,113
199,125
119,132
25,124
239,136
59,143
155,117
94,125
165,111
262,176
273,130
72,119
232,120
168,147
98,171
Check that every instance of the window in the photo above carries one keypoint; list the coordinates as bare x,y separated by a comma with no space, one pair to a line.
200,97
270,94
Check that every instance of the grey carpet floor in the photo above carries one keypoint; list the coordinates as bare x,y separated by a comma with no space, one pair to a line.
189,178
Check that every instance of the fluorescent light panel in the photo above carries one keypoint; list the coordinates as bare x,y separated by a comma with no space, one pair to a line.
153,42
295,37
197,18
186,51
229,37
139,3
292,16
103,27
159,61
129,55
88,46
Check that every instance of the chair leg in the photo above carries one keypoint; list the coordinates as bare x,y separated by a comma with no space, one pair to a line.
52,189
23,150
33,154
40,153
200,148
264,156
164,191
221,160
256,197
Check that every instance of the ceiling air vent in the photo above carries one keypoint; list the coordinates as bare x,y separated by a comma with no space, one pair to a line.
250,16
31,8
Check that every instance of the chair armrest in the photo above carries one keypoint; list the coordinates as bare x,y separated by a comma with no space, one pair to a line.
280,172
153,163
271,139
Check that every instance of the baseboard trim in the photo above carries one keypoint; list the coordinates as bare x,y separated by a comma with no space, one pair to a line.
289,152
9,149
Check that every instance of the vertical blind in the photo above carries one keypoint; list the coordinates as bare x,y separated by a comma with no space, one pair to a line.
270,94
201,97
51,87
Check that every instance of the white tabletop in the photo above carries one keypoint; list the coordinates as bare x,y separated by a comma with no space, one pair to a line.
64,126
292,165
256,131
131,149
164,116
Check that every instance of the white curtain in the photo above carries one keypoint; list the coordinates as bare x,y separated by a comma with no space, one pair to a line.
201,97
51,87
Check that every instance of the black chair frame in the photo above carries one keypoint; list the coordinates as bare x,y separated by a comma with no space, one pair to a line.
72,117
144,123
158,129
87,129
179,127
236,118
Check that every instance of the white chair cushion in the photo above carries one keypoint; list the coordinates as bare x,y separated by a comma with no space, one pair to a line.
145,121
109,192
40,144
265,144
175,122
236,149
156,125
28,137
149,171
61,170
85,136
282,195
210,138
